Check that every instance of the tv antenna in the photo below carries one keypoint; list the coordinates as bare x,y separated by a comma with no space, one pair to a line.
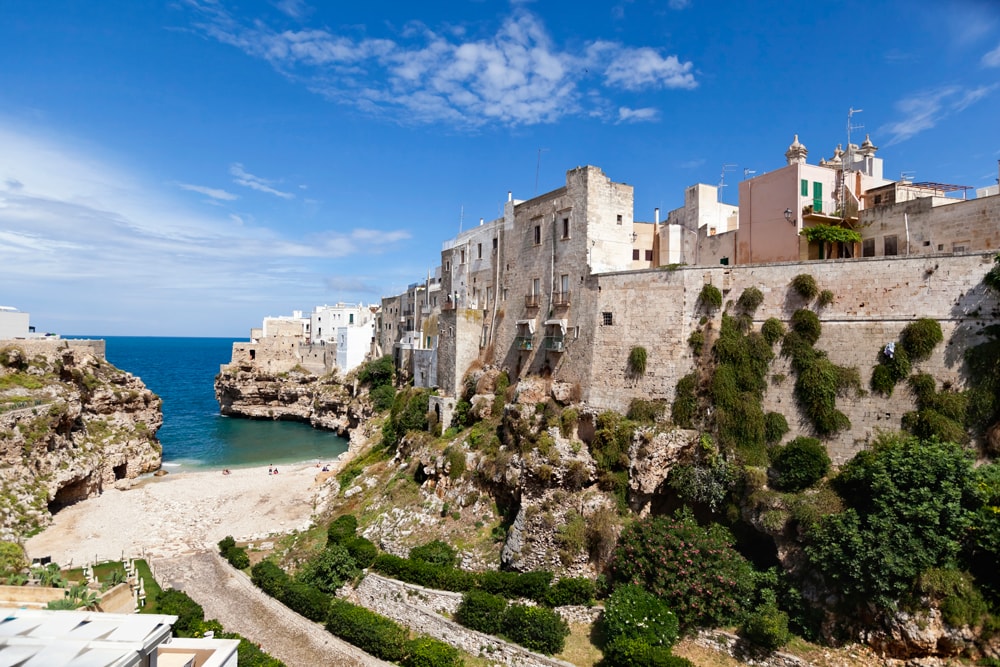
722,177
747,172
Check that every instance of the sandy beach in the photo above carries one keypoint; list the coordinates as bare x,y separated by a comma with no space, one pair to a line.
182,512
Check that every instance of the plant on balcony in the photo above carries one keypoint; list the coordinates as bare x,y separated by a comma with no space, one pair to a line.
827,235
637,361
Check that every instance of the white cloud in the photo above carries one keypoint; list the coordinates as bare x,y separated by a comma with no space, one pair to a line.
679,4
923,110
634,69
516,76
626,115
214,193
242,177
294,8
992,59
693,164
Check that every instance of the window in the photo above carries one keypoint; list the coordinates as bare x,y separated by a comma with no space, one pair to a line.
504,293
817,197
960,246
868,248
479,251
538,234
889,245
494,243
565,228
463,256
447,266
489,295
536,286
619,218
635,253
607,319
649,255
564,283
351,320
805,188
878,199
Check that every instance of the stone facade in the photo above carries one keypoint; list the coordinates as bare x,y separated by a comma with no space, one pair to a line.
933,225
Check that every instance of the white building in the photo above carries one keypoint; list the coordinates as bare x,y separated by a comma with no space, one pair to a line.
326,320
15,324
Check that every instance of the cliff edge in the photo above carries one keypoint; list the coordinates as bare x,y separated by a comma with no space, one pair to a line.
71,425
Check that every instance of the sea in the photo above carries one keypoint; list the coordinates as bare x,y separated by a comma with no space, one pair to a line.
194,435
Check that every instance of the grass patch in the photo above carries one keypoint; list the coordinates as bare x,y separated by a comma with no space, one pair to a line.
580,649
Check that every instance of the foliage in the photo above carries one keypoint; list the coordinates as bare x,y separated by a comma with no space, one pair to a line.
306,600
362,550
408,413
697,341
983,549
992,277
568,421
455,456
435,552
706,479
536,628
249,654
481,611
685,405
12,558
956,595
825,298
767,627
772,330
806,323
571,591
906,497
329,569
940,415
343,528
237,557
226,543
571,535
799,464
775,427
178,603
628,652
270,578
816,389
710,297
641,410
805,286
424,574
635,613
430,652
637,361
367,630
750,299
920,338
830,234
609,447
706,580
382,397
378,372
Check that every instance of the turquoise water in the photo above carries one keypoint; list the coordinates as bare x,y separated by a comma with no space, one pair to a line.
194,435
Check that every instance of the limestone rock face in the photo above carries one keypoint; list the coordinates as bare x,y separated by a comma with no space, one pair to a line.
323,402
71,425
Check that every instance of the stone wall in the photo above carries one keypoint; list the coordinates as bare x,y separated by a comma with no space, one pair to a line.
417,608
958,226
874,299
48,346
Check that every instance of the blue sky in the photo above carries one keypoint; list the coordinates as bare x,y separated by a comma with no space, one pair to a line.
190,166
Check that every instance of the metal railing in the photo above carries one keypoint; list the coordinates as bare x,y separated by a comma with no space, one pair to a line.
524,343
560,299
532,300
555,343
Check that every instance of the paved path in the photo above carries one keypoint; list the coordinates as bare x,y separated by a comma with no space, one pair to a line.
230,597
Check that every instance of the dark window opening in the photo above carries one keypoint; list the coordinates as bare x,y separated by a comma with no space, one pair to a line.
538,234
565,228
868,248
649,255
619,218
253,354
607,319
889,246
479,251
635,253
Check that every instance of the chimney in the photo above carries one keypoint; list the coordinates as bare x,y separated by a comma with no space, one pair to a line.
656,214
480,222
509,197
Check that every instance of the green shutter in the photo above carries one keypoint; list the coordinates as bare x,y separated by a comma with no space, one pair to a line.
817,197
805,188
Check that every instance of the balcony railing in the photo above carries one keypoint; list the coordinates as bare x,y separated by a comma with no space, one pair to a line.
524,343
560,299
448,305
555,343
532,300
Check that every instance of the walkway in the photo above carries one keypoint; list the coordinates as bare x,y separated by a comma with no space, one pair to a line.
231,598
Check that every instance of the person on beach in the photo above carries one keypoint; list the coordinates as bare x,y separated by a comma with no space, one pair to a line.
270,470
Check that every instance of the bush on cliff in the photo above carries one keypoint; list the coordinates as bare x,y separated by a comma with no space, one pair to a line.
342,528
799,464
370,632
269,578
306,600
429,652
409,413
536,628
329,569
378,372
481,611
435,552
188,612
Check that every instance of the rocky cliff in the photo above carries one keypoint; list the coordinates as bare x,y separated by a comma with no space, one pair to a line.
71,425
324,402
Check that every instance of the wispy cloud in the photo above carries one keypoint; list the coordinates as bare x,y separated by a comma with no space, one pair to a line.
515,76
214,193
692,164
679,4
922,111
242,177
294,8
992,59
351,284
648,114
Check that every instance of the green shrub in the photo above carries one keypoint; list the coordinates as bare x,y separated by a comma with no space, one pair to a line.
805,286
435,552
568,421
455,456
329,569
697,341
806,323
883,382
825,298
269,578
178,603
408,413
637,361
12,558
342,528
481,611
920,338
705,579
911,498
629,652
750,299
816,389
634,612
429,652
710,297
362,550
382,397
237,557
424,574
800,464
378,372
367,630
641,410
772,330
571,591
226,543
956,595
535,628
685,405
775,427
767,627
306,601
895,365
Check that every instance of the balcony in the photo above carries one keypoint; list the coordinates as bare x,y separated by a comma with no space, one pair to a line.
555,343
524,343
448,305
560,299
532,300
408,312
